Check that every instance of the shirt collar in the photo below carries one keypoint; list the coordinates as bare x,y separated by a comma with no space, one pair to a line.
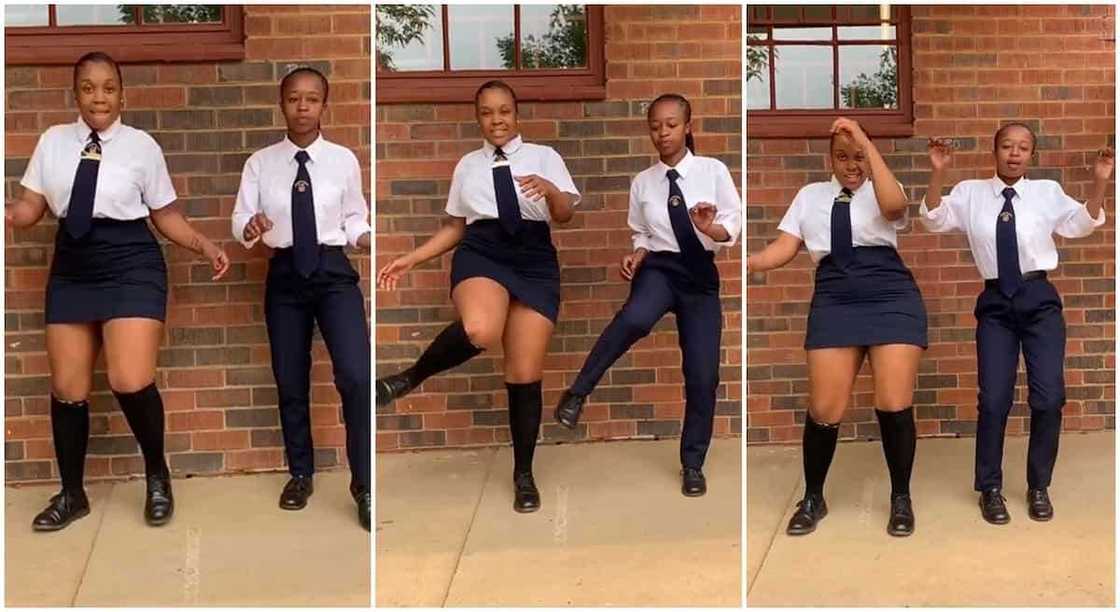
508,148
682,166
836,187
313,149
998,185
82,130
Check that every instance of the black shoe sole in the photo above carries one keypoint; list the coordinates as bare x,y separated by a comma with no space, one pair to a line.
1041,519
900,533
699,493
156,522
995,521
293,508
565,424
525,509
77,515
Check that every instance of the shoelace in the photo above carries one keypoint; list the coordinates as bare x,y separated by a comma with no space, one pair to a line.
900,505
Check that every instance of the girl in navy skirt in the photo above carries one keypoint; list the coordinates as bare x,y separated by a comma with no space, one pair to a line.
505,276
682,209
865,305
1010,221
108,282
303,198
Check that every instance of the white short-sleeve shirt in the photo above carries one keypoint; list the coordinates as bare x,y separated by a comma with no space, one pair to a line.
1042,209
702,179
341,214
131,177
472,184
810,218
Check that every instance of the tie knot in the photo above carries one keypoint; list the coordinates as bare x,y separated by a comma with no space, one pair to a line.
499,153
302,156
93,137
845,195
1008,193
673,174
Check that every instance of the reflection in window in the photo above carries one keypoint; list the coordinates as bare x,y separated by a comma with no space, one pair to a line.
409,37
869,77
26,15
92,14
552,36
474,35
182,13
757,72
798,78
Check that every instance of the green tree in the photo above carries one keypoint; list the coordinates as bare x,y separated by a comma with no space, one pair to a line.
757,63
879,90
173,13
563,46
399,25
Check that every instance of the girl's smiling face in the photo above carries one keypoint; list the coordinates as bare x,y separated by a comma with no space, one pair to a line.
849,162
302,102
98,93
496,112
1014,148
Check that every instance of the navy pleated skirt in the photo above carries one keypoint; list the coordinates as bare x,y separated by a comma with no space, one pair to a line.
525,264
873,301
115,271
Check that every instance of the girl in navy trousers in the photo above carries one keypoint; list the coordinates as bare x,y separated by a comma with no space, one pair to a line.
865,305
1010,221
108,281
303,197
682,210
505,275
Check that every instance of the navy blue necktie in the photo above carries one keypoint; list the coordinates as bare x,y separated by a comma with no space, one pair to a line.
683,231
305,237
79,213
509,212
840,246
1007,247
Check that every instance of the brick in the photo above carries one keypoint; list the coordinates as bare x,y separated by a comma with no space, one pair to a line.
215,96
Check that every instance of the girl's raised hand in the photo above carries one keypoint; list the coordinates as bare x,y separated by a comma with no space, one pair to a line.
703,215
940,153
843,125
1102,167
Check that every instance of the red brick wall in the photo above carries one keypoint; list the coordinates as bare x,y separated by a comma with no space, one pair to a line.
974,67
692,50
214,368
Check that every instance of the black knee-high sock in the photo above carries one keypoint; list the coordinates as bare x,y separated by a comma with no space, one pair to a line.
70,428
144,412
900,440
818,445
450,348
524,423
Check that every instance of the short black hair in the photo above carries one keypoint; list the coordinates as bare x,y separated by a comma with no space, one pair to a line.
683,102
97,57
1003,128
495,84
306,70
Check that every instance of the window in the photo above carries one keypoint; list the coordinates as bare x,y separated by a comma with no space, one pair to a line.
807,65
442,53
61,33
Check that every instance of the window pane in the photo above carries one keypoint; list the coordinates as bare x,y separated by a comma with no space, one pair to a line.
802,33
409,37
879,32
552,36
804,76
869,77
26,15
480,36
757,74
93,14
182,13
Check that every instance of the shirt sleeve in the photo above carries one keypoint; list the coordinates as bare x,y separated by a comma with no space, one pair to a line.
949,213
455,205
636,219
791,221
355,214
33,176
1074,220
729,207
903,222
157,190
248,201
557,172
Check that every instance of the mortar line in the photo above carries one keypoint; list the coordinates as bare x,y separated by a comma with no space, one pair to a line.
470,525
93,545
773,539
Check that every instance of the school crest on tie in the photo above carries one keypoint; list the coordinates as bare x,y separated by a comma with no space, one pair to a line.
92,151
301,186
1005,217
675,200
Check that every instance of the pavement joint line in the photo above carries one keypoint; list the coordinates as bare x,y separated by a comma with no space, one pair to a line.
93,544
773,538
470,526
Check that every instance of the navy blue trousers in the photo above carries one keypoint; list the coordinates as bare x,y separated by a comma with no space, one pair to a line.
293,304
1031,320
663,284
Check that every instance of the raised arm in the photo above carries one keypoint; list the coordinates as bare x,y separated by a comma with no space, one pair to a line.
892,201
445,239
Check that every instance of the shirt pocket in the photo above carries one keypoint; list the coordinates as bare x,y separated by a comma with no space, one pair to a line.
118,187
